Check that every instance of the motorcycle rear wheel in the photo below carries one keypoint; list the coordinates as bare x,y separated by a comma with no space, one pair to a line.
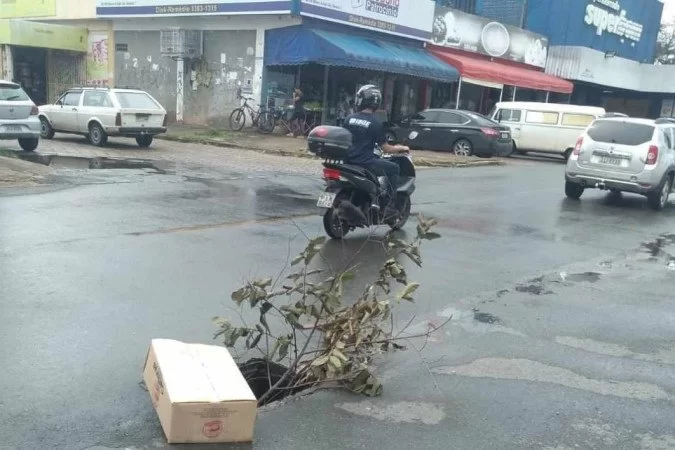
334,227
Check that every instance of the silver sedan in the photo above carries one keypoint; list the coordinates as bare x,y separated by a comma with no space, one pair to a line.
18,116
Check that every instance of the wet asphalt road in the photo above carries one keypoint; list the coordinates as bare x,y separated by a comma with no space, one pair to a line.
562,330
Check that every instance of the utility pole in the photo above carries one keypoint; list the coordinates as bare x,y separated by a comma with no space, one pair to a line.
523,14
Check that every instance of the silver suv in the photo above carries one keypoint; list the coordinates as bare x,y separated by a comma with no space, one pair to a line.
18,116
624,154
101,112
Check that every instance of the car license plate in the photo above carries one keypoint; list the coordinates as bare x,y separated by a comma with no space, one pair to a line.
142,117
610,161
13,128
326,200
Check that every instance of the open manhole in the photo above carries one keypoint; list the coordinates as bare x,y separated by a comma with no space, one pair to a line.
261,375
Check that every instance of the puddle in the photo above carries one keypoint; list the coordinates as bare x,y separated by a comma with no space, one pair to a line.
534,289
483,317
589,277
82,163
657,247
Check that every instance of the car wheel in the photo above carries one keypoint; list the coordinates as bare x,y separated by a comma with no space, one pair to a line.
573,190
28,144
462,147
144,141
97,135
659,198
46,130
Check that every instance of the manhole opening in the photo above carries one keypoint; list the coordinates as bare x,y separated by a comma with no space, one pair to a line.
261,375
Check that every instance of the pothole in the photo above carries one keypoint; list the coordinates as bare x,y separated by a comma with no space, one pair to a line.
261,375
99,163
589,277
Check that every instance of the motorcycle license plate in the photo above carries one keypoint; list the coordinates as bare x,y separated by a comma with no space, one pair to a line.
326,200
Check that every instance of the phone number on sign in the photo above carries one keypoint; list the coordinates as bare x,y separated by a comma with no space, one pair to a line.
187,9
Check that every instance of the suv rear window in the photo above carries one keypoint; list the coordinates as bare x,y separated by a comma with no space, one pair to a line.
136,100
620,132
12,93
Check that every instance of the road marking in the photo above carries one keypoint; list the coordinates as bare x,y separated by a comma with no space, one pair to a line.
401,412
219,225
527,370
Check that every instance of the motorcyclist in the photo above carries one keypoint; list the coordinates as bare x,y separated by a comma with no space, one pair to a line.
368,133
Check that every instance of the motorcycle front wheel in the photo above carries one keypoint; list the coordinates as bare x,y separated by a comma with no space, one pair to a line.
404,206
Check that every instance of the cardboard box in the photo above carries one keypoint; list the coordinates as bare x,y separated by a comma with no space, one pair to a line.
199,393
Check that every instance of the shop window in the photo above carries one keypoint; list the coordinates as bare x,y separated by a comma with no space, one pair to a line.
577,120
541,117
97,99
509,115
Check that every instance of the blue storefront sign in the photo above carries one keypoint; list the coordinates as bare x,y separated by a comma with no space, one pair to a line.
627,27
408,18
145,8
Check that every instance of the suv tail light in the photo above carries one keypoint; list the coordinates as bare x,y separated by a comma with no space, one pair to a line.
118,120
577,147
490,132
652,155
331,174
34,111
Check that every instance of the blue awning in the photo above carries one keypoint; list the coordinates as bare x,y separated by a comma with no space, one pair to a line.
301,45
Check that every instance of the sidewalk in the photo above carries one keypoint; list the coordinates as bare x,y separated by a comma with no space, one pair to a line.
15,172
279,144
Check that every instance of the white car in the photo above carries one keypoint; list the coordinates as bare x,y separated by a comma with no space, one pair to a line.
98,113
18,116
623,154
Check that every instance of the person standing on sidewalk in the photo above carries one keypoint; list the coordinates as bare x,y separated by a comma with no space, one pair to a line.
299,114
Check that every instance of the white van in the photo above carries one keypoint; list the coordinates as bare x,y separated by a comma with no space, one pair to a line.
545,127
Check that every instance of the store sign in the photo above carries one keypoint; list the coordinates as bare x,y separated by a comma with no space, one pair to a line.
43,35
141,8
607,16
14,9
456,29
409,18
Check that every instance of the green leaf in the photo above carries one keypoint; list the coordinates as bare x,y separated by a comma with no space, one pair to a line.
340,355
320,361
283,349
431,236
335,361
264,309
408,291
263,283
255,341
297,260
240,295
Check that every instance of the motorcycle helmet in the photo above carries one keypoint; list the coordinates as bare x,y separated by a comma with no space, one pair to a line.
368,97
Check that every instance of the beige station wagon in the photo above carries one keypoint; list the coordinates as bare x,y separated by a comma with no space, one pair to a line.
98,113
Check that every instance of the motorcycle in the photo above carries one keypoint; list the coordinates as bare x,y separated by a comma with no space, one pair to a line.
354,197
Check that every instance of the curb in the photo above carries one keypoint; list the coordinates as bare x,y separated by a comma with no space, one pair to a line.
420,162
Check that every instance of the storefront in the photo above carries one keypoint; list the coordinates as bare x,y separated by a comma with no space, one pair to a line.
193,57
344,45
44,58
606,48
329,64
617,84
496,62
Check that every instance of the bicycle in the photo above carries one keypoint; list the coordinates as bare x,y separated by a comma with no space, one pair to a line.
273,117
238,115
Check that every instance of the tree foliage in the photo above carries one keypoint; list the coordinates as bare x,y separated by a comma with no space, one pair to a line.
323,338
665,44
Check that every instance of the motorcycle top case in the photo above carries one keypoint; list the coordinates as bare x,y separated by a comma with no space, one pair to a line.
329,142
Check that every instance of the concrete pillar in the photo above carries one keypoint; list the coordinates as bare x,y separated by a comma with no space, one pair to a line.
180,89
259,68
6,63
